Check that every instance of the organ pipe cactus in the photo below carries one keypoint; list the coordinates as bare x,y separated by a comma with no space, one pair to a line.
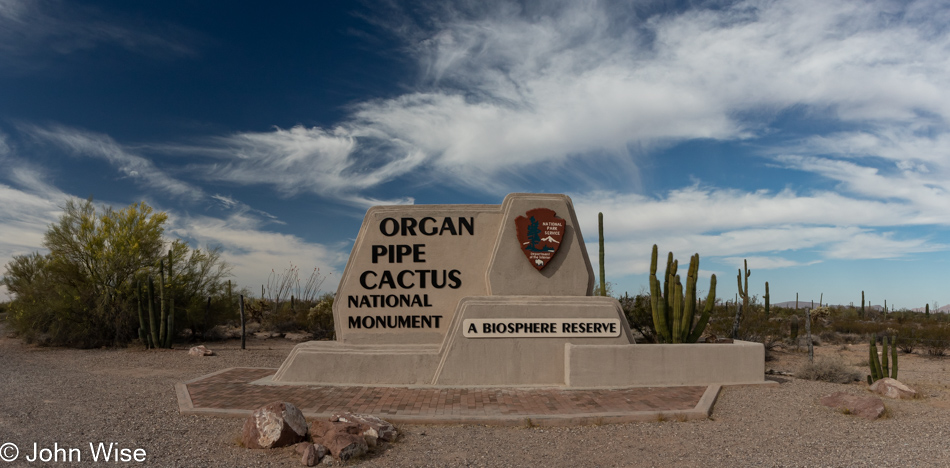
153,328
143,333
879,367
163,321
674,310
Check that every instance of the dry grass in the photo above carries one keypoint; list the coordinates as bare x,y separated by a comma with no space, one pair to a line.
832,370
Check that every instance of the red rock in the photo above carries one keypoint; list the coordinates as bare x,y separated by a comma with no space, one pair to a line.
321,451
309,456
892,388
369,425
274,425
200,351
868,407
344,440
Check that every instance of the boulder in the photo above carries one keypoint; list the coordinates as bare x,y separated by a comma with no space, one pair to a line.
371,426
275,425
867,407
299,336
892,388
309,456
200,351
344,440
312,454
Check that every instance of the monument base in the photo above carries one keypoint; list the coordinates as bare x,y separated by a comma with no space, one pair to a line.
519,341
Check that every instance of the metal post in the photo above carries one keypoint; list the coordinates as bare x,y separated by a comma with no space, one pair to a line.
811,350
242,323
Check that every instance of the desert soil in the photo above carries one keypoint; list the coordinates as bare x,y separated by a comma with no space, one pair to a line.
72,398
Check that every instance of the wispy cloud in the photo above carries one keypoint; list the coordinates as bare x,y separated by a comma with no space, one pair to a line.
509,91
89,144
766,263
28,205
340,163
34,33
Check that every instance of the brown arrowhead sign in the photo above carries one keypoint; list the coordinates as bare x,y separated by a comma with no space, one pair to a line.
539,233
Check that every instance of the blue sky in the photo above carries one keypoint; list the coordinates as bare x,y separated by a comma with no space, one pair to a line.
809,137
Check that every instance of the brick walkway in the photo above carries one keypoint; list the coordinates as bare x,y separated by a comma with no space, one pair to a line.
230,393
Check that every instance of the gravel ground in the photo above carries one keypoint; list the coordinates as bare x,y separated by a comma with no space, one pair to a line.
76,397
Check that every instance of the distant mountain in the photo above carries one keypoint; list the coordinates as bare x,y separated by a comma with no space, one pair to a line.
806,304
944,310
549,239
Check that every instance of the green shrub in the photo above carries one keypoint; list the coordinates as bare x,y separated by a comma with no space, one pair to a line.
320,318
82,293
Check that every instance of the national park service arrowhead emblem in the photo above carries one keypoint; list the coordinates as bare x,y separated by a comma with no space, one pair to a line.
539,233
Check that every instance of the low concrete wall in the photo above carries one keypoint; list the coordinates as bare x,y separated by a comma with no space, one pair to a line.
589,366
332,362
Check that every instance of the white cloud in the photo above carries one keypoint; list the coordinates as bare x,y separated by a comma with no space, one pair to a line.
27,208
253,252
510,91
766,263
729,224
313,160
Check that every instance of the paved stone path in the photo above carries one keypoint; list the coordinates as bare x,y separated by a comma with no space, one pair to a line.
231,393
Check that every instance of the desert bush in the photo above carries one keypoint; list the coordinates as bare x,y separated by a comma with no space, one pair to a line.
935,338
830,337
828,370
639,315
320,318
907,338
857,326
83,292
287,300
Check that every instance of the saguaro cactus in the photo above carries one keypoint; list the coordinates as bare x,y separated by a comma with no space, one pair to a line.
862,304
674,310
744,294
766,299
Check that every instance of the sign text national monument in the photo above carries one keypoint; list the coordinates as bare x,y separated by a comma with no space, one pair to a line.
496,295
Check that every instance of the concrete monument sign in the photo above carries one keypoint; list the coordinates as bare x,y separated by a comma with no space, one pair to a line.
485,295
411,265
